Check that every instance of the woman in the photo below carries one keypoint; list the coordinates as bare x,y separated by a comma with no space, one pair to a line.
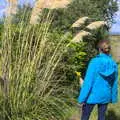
100,85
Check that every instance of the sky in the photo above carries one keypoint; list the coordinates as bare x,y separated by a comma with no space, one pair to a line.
115,29
116,26
2,7
3,4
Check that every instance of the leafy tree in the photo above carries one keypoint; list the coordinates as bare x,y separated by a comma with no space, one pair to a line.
97,10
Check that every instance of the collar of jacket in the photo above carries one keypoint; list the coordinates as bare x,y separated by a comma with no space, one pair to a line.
104,55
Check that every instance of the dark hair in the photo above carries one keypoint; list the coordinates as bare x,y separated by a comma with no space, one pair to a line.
99,46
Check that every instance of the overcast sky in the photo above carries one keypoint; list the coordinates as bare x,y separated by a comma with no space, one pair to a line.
115,27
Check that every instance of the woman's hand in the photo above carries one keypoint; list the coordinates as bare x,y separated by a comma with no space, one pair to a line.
81,81
81,104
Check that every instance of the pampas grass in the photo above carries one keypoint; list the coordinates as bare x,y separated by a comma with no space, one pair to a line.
55,4
80,35
39,5
80,22
12,7
87,28
96,25
50,4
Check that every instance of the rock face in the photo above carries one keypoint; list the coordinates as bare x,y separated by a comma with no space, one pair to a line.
115,43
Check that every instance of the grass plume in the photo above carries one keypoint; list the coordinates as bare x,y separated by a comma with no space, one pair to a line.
80,22
80,35
96,25
12,7
50,4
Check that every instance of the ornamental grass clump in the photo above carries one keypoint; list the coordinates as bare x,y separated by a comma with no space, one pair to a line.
30,88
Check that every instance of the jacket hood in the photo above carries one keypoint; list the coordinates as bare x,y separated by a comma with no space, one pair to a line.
107,66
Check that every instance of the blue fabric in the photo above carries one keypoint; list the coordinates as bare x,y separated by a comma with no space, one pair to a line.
101,81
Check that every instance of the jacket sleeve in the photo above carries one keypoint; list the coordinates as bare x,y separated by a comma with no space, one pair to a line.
88,81
115,88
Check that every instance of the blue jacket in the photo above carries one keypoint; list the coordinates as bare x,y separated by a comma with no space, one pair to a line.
101,81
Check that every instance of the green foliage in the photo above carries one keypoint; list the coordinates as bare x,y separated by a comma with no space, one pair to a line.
97,10
74,60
